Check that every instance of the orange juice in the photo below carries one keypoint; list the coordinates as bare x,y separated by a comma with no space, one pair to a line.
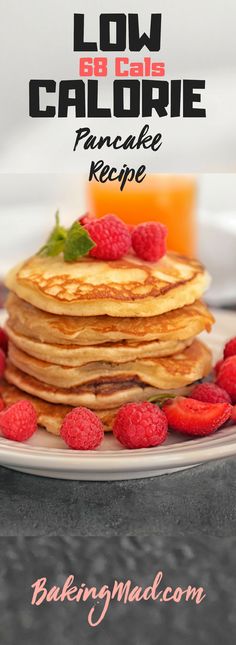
170,199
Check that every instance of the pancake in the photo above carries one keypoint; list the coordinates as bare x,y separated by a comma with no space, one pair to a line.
73,355
159,373
176,325
50,415
96,396
128,287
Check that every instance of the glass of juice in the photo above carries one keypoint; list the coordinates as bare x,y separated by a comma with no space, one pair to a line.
170,199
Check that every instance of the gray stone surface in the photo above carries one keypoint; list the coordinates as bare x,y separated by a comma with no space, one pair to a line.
197,561
199,500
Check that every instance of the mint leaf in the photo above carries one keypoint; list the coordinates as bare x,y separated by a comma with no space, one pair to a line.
56,241
73,242
77,243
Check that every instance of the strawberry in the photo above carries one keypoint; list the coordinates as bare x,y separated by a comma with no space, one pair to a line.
195,418
233,414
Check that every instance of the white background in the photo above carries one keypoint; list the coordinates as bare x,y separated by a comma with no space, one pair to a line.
198,41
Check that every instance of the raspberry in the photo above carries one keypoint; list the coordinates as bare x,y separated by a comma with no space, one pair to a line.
230,348
218,365
3,340
85,219
226,377
19,421
140,425
210,393
195,418
2,363
82,429
2,406
149,241
111,236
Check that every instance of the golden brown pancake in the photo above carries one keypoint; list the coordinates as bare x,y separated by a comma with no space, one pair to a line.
75,355
95,396
101,334
167,372
176,325
50,415
127,287
112,390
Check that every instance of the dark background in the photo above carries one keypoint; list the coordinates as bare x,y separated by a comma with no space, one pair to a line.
200,561
199,500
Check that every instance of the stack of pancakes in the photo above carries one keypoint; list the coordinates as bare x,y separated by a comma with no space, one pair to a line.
101,334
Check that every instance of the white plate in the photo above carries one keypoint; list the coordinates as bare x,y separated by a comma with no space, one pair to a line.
47,456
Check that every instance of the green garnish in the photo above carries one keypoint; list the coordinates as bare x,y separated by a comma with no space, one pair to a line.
56,240
160,399
73,242
77,243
